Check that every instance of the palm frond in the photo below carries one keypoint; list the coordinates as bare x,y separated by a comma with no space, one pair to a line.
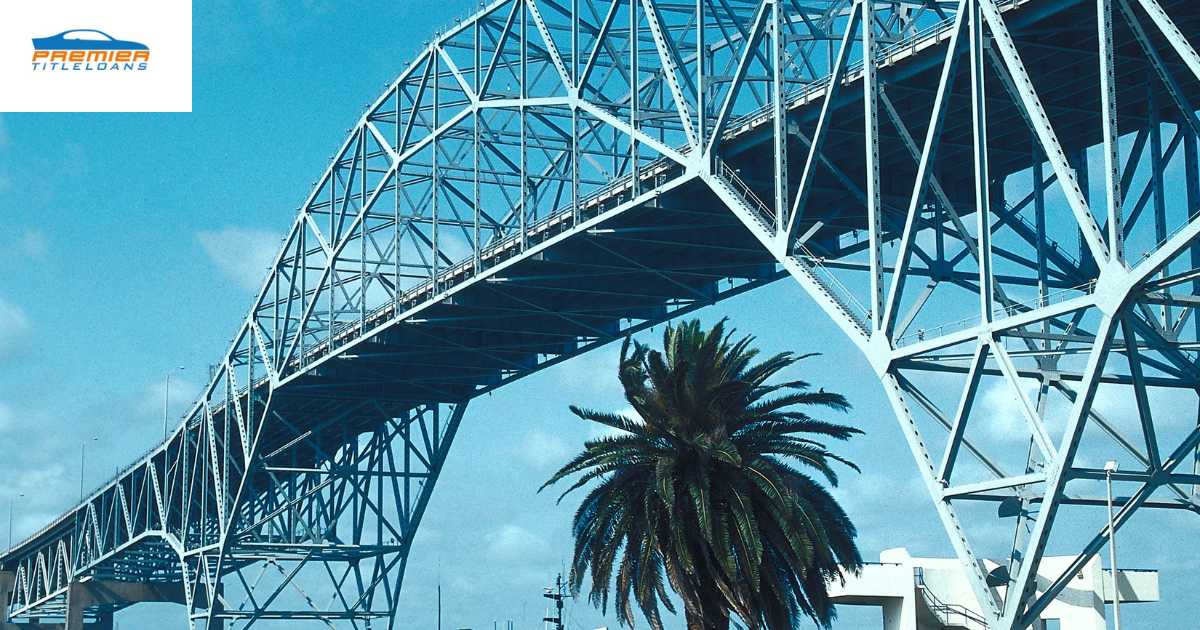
710,489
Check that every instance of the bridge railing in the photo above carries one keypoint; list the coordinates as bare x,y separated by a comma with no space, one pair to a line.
1192,216
1012,308
837,289
954,615
764,212
831,284
1016,215
654,171
928,36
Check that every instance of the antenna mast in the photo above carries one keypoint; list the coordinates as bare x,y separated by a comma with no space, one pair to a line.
555,593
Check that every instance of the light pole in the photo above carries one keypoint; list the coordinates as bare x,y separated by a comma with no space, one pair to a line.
167,399
11,504
82,453
1110,467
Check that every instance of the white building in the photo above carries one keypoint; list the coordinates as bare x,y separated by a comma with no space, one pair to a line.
933,593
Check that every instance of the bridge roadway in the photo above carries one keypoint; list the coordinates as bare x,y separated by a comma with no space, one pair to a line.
466,236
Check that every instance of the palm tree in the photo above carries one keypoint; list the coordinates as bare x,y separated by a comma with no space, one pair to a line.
702,485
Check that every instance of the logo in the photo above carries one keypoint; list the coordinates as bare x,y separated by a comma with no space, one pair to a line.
88,50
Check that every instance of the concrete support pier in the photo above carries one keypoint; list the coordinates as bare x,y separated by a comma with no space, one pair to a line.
102,597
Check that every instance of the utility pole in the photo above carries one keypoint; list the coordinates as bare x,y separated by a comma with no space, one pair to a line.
82,454
12,504
1109,468
555,594
167,400
439,606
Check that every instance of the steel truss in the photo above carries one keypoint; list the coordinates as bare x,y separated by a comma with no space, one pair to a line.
1039,317
550,175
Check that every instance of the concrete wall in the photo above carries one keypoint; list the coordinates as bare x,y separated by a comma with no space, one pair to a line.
892,586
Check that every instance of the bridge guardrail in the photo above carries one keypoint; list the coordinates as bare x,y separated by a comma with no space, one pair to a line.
765,214
947,614
1016,214
1004,310
1192,216
929,35
840,292
841,295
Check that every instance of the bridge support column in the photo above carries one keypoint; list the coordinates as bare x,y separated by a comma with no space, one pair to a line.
326,534
78,600
88,593
7,581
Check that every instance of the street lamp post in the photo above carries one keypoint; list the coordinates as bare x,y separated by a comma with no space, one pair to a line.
11,505
1110,467
82,454
167,399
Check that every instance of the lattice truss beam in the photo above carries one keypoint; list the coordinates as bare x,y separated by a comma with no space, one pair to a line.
1014,365
529,123
553,174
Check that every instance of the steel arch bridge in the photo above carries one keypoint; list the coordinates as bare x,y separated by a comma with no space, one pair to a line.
983,195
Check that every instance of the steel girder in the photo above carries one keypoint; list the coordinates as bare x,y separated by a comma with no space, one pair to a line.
1031,315
548,176
335,501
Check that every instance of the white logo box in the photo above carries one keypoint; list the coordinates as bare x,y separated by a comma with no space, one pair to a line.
89,73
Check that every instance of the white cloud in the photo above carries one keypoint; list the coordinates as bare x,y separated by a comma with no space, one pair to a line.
23,242
13,327
33,242
594,373
901,524
513,542
543,450
241,254
866,491
431,536
1118,405
46,478
1000,413
183,393
37,494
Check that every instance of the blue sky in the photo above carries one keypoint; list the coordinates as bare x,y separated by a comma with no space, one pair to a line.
132,245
